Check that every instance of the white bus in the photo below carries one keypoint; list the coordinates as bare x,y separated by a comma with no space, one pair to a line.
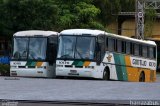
34,53
102,55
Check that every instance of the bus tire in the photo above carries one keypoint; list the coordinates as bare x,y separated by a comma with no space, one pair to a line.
142,77
106,74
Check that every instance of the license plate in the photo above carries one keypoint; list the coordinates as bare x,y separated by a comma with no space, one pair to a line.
73,71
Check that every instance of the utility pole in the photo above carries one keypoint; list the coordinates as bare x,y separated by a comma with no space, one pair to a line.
141,6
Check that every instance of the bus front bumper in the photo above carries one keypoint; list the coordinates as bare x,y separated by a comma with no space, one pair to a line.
28,72
74,72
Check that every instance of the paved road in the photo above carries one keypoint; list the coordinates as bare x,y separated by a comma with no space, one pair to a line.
14,88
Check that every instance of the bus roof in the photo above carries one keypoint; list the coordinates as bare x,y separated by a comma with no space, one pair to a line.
99,32
35,32
82,32
132,39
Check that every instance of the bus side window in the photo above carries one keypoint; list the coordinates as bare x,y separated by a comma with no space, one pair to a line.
136,49
140,50
144,51
100,48
119,46
97,51
123,47
115,45
152,52
132,48
128,47
106,47
101,42
111,43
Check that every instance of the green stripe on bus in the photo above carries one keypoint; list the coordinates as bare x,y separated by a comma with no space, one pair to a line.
31,63
124,70
28,63
75,62
78,63
120,67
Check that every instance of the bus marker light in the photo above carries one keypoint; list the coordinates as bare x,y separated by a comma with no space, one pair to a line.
73,71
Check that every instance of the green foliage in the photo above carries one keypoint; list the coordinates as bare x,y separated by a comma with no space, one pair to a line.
127,5
4,69
111,8
77,14
28,14
149,21
97,25
57,15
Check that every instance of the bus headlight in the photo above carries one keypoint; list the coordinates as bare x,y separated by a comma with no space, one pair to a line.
59,65
42,67
91,67
13,66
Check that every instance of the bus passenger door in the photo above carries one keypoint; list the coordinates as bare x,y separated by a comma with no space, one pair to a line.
52,50
100,49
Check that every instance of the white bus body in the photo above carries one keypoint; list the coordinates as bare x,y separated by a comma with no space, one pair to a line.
110,56
34,53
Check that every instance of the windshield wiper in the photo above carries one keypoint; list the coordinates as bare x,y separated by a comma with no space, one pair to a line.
17,55
66,56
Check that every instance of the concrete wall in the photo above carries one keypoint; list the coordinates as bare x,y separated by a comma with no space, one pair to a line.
113,28
156,29
128,28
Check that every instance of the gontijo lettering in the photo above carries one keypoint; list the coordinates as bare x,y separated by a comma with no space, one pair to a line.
139,62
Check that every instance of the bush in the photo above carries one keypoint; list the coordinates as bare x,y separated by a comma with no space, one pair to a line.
4,69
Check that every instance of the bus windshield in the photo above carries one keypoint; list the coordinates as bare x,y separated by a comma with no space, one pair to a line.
37,48
29,48
76,47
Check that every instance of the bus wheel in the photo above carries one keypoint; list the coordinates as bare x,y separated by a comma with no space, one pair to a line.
106,75
142,77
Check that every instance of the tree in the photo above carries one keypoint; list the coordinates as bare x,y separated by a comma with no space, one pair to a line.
78,14
57,15
150,17
111,8
19,15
